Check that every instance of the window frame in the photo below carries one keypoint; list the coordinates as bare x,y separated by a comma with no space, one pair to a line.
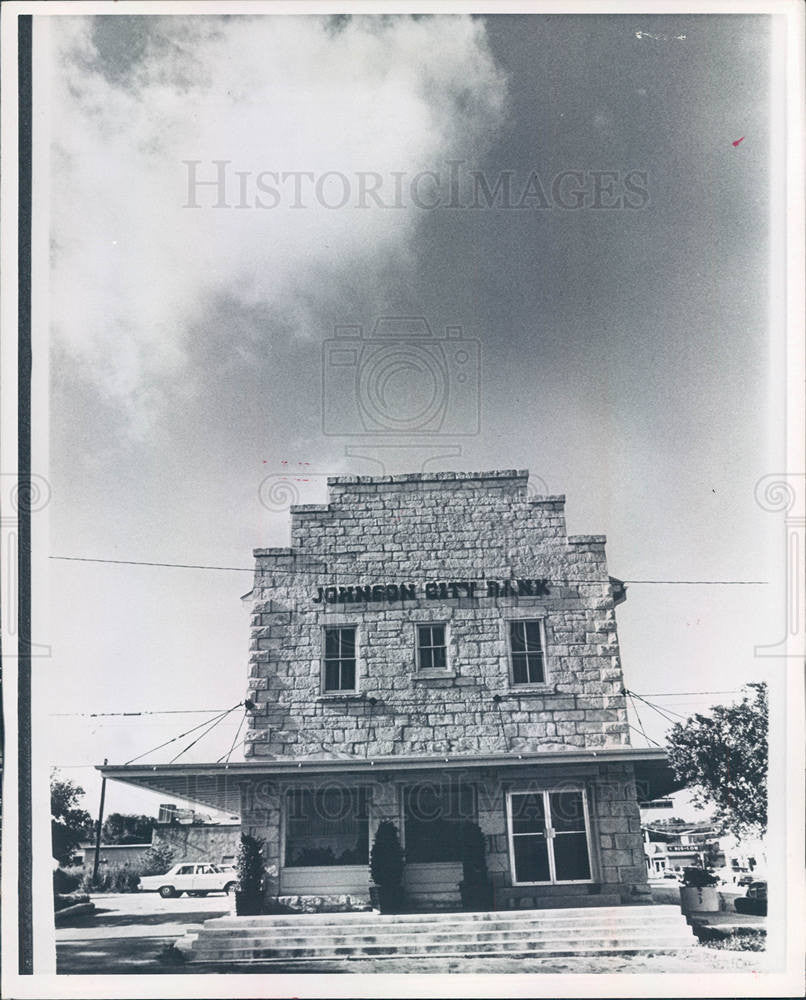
550,836
508,621
360,789
324,691
432,671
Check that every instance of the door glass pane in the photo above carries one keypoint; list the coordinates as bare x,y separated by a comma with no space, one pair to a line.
567,811
531,859
528,813
571,857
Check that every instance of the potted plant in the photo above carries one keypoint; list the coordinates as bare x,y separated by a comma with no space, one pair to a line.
386,869
475,888
698,893
249,868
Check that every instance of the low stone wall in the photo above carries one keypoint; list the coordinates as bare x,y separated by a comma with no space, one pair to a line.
324,904
203,843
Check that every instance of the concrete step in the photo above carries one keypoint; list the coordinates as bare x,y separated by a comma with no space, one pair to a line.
575,902
567,917
558,946
481,932
455,941
328,937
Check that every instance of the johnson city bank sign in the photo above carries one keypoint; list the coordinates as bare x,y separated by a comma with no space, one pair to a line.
433,590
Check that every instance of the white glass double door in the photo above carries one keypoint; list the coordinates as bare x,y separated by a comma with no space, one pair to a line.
549,836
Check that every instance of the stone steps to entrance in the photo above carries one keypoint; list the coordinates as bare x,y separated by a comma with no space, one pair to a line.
323,937
480,930
565,917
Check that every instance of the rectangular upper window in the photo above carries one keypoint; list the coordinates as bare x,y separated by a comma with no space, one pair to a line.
431,648
526,648
339,672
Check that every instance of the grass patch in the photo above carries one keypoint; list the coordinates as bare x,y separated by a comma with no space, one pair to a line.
741,939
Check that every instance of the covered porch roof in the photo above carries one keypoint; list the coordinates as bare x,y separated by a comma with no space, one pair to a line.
218,785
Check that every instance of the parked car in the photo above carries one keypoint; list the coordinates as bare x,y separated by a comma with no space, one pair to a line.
194,879
754,901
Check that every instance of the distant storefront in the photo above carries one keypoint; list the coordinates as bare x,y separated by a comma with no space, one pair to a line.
212,842
434,648
670,848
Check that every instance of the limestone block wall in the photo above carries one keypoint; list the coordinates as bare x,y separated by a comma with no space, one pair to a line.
405,532
617,822
617,857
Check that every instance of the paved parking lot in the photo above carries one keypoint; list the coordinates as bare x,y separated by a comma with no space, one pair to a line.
128,931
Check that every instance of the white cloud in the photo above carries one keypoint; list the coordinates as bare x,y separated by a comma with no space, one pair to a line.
133,269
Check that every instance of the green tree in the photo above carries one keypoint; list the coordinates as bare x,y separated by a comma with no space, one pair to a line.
123,828
249,866
386,858
69,824
157,860
722,758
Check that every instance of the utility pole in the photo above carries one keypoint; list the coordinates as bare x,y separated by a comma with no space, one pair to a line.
100,824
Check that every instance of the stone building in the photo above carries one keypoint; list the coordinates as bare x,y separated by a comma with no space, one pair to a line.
435,648
212,842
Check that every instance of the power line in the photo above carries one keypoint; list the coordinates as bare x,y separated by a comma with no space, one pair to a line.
180,736
301,571
714,583
139,562
235,745
217,721
681,694
420,701
638,717
161,711
655,707
641,733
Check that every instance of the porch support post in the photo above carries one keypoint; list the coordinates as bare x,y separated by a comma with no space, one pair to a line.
261,818
384,804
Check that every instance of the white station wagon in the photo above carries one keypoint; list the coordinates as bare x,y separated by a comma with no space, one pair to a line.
194,879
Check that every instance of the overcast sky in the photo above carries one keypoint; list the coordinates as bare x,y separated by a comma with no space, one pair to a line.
622,353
